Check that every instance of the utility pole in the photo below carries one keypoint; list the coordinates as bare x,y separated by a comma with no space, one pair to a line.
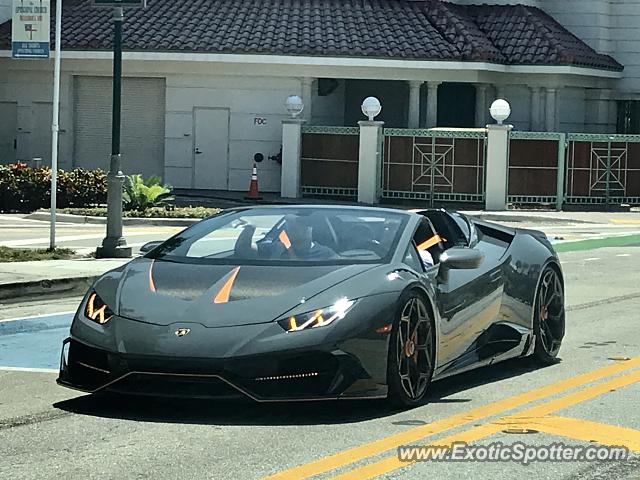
114,244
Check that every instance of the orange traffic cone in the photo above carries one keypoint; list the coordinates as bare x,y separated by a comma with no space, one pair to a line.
254,194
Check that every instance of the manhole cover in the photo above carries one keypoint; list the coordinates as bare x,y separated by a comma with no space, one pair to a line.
409,422
620,359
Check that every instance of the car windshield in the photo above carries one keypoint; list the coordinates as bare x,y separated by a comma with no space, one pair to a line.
298,236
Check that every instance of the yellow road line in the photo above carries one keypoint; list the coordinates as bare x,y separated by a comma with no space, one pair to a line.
392,463
389,464
579,396
587,431
377,447
626,222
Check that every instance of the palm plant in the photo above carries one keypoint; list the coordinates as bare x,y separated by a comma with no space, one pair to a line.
141,195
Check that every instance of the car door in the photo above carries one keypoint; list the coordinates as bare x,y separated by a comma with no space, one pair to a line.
468,301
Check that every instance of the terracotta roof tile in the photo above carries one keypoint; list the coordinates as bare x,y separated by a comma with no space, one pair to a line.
400,29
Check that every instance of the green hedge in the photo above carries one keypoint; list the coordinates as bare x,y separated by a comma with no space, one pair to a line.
25,189
154,212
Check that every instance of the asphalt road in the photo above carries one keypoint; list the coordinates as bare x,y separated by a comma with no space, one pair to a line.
587,399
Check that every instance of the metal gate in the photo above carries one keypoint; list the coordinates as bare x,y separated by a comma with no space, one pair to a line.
329,161
603,169
434,165
536,168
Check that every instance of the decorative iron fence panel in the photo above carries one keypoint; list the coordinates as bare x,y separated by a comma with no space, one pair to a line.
434,165
603,169
535,167
329,161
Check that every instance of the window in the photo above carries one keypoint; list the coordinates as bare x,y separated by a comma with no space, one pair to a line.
428,244
289,235
628,117
412,259
326,86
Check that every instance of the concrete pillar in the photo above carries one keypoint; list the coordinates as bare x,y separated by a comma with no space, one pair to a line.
369,168
599,110
414,104
613,115
556,122
432,104
307,97
534,124
550,110
497,166
291,155
481,105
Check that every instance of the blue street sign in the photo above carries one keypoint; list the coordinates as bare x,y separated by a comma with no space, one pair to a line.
30,49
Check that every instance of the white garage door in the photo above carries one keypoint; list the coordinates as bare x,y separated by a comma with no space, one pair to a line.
143,117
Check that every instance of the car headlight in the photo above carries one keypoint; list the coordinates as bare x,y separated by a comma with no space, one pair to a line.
97,310
317,318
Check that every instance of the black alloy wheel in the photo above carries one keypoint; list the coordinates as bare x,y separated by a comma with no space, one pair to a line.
411,352
549,316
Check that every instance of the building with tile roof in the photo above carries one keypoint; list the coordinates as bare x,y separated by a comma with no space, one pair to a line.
205,80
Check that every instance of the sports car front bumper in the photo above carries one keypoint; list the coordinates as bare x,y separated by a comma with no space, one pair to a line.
277,377
261,362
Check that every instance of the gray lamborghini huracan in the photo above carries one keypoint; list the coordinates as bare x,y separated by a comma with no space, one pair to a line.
280,303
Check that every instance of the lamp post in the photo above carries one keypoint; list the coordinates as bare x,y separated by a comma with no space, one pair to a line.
114,244
497,163
369,168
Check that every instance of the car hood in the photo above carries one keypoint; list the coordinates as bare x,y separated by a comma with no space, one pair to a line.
162,292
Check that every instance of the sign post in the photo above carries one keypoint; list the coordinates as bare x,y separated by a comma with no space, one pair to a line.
30,28
114,244
55,125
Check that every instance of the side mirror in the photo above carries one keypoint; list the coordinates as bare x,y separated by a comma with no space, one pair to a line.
461,258
147,247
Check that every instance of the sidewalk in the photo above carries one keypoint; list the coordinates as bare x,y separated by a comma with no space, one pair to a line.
53,277
549,217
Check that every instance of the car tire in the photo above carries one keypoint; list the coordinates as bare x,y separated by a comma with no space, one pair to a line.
411,354
549,316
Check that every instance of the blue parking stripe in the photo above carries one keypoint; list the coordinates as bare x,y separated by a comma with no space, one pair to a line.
33,342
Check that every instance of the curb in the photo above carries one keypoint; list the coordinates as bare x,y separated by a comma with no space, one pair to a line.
70,218
509,218
185,222
14,292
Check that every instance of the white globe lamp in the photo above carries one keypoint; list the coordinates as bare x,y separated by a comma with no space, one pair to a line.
294,106
500,110
371,108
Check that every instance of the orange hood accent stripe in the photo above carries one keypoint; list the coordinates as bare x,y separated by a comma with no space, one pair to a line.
284,238
152,285
224,293
430,243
